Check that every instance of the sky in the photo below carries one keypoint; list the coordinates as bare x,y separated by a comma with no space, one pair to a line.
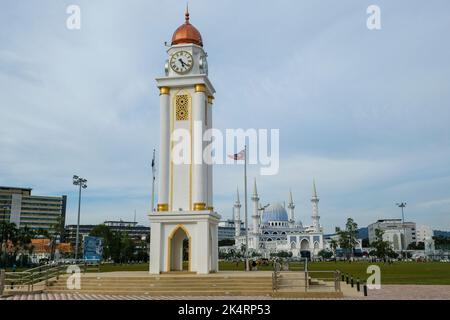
364,112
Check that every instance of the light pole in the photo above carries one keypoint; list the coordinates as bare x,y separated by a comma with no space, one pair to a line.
78,181
402,205
153,182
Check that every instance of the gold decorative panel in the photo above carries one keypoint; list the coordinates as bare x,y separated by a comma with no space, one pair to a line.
182,107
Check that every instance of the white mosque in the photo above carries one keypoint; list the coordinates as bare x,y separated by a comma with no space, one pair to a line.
275,229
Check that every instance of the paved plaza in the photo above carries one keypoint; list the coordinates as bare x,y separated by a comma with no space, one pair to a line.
388,292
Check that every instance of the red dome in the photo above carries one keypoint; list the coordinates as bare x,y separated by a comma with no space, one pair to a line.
187,33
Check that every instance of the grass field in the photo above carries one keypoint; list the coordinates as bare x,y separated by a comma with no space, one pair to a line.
397,273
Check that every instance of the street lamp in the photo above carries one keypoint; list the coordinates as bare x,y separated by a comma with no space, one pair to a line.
81,182
402,205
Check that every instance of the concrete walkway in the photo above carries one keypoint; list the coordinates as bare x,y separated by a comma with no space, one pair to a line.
387,292
410,292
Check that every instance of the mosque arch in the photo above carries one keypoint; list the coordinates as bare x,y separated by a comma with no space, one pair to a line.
304,244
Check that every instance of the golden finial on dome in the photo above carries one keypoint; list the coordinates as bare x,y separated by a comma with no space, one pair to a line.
186,14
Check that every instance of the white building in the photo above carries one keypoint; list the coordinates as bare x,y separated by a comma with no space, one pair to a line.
394,230
275,229
423,233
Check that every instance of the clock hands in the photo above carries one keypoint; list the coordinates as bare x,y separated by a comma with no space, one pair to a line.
182,62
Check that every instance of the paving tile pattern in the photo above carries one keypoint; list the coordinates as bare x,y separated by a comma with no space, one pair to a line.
387,292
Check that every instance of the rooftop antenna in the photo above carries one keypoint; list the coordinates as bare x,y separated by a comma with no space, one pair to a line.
134,220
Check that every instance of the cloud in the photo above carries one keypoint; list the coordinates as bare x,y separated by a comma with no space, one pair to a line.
365,113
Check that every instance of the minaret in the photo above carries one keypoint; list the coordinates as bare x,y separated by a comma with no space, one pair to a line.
255,215
237,215
291,207
315,208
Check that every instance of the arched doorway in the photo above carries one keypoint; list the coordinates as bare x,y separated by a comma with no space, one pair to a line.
179,255
304,244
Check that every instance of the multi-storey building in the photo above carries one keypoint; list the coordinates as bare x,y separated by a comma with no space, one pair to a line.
134,231
394,231
227,229
424,233
18,206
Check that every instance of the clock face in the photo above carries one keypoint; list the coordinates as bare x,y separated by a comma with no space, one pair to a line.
204,65
181,62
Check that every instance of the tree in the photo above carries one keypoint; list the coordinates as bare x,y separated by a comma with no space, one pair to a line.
441,242
117,246
8,233
382,248
22,245
416,246
127,247
104,232
325,254
348,237
333,245
365,243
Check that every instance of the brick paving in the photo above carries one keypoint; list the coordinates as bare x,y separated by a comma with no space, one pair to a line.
387,292
410,292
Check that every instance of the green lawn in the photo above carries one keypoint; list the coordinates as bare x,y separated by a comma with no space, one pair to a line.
397,273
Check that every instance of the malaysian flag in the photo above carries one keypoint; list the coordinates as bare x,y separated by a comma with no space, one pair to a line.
238,156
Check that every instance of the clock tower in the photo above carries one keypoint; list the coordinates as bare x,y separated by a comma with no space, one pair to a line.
184,226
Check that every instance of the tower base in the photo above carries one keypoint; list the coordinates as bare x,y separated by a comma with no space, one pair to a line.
169,230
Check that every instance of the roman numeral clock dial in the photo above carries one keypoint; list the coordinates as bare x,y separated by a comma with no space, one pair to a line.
181,62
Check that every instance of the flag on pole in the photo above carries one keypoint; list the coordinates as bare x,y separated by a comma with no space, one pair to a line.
238,156
153,164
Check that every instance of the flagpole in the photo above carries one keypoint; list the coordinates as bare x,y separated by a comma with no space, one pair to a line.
153,181
245,207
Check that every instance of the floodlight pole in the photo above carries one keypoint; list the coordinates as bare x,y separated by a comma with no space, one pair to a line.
402,205
78,181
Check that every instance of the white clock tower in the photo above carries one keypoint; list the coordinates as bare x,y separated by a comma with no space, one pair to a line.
185,212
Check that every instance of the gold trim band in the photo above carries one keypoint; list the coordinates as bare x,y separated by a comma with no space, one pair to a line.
162,207
210,99
211,208
164,90
200,88
198,206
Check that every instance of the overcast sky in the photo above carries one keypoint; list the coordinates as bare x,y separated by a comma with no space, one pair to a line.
365,113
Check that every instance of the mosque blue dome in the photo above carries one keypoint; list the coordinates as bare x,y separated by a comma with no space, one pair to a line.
275,212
